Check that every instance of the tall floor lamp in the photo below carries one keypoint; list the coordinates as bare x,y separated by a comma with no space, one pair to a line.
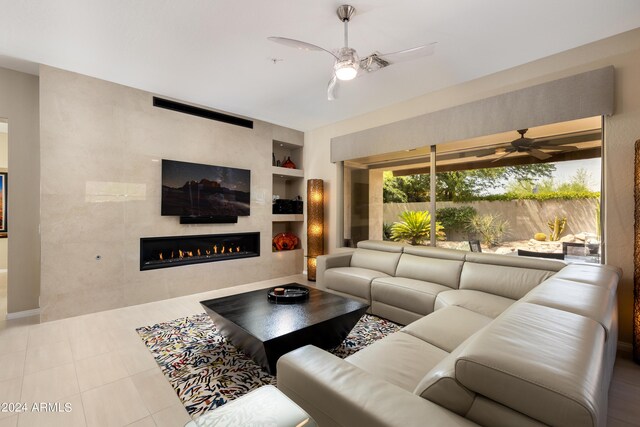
315,224
636,259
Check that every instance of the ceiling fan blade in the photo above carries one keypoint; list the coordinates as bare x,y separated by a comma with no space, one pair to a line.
407,54
540,155
557,147
485,152
298,44
503,156
332,88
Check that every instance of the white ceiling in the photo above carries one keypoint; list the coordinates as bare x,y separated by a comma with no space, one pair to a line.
215,52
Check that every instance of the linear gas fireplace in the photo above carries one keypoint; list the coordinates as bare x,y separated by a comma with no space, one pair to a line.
162,252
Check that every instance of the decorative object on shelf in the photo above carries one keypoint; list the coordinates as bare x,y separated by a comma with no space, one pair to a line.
288,164
285,241
636,259
287,207
315,225
288,294
273,159
278,163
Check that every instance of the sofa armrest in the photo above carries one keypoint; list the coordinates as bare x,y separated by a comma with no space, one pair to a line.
337,393
324,262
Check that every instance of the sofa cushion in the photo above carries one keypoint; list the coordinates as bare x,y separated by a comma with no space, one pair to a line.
399,358
593,301
412,295
479,302
385,262
515,261
442,271
506,281
441,387
600,275
552,357
351,280
438,253
487,412
448,327
381,245
393,313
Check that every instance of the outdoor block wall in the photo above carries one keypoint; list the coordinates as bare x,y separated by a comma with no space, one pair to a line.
526,217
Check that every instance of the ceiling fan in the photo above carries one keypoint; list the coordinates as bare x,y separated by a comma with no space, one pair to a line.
530,146
347,64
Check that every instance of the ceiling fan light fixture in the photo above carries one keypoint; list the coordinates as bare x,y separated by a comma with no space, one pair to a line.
345,71
346,66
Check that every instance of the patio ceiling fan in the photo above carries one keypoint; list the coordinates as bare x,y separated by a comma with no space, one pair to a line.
530,146
347,64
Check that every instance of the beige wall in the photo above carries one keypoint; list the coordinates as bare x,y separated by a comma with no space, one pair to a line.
4,162
621,130
95,132
19,106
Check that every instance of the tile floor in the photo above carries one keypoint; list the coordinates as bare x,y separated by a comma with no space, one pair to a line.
98,365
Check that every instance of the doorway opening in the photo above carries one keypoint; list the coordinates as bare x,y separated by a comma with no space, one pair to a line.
536,191
4,169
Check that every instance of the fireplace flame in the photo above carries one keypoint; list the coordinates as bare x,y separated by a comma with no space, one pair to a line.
207,251
180,253
237,248
161,258
198,251
223,249
172,255
215,249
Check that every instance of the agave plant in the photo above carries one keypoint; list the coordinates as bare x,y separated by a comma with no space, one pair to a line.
415,228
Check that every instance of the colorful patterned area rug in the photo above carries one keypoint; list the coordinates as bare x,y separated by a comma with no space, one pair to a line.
206,371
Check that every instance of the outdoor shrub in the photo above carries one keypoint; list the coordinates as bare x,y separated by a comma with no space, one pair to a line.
415,228
491,227
455,218
555,195
386,231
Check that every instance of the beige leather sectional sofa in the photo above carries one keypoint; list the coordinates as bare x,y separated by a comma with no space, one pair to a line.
489,339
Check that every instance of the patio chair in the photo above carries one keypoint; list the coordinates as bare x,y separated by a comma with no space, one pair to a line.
551,255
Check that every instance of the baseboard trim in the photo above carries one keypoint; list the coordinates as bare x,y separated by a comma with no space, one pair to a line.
625,346
21,314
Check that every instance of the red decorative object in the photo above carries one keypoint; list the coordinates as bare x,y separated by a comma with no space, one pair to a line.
289,164
285,241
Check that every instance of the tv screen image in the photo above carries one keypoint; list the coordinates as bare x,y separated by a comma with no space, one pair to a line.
197,190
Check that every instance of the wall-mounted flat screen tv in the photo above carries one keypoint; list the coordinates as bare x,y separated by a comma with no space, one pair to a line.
197,190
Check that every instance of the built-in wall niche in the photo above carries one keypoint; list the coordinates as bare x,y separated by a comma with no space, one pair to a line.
286,150
288,184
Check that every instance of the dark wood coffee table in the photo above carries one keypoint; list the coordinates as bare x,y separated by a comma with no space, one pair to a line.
265,331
